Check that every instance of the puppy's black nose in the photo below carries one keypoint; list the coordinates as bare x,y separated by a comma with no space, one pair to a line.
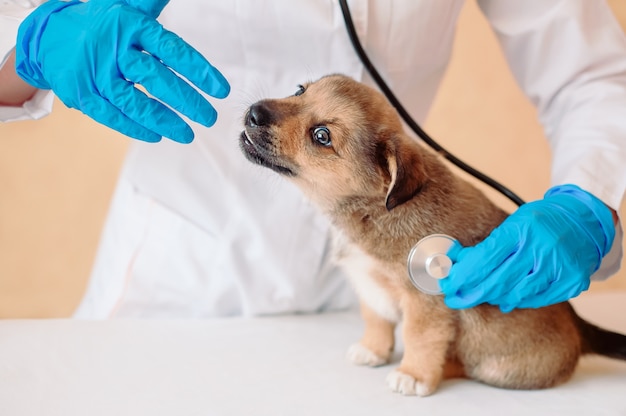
258,115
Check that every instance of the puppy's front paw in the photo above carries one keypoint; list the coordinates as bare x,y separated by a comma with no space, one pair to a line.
361,355
406,384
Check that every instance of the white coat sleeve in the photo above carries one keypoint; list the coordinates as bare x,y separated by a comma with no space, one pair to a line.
12,13
569,57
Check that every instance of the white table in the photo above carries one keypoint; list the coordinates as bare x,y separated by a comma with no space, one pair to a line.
292,365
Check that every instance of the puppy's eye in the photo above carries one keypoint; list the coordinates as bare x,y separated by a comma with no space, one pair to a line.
300,90
322,136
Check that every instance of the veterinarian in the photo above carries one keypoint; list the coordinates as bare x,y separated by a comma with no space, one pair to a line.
194,230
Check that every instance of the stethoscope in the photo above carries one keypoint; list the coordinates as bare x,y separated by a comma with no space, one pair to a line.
427,261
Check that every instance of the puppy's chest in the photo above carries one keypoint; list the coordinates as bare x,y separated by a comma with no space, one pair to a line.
377,284
359,256
385,240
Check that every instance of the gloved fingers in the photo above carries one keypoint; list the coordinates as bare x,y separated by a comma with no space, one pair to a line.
152,8
557,291
106,113
510,279
182,58
528,290
472,265
166,86
148,112
454,251
496,284
462,300
539,300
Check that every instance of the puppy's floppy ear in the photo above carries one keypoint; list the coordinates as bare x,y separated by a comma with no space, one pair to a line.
406,171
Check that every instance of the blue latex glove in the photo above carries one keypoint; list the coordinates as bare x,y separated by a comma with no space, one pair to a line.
544,253
92,53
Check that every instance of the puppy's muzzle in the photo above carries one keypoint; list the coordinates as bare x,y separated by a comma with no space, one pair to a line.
258,142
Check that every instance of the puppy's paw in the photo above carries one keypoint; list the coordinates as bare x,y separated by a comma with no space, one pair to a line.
361,355
406,384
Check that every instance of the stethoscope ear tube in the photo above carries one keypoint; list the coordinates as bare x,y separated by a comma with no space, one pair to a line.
409,120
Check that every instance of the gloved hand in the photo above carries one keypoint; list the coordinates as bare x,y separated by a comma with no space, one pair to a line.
544,253
92,53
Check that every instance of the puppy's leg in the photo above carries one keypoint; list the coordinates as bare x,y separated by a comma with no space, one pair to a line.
428,331
379,308
377,344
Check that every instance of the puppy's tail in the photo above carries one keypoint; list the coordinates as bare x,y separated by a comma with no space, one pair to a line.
596,340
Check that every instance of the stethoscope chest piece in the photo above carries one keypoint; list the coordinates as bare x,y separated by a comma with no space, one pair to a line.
428,262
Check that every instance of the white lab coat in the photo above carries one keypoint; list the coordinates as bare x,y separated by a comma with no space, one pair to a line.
197,231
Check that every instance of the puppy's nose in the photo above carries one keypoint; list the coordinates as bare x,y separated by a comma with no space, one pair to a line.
258,115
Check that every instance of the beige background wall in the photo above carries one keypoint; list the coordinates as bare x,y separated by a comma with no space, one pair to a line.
57,174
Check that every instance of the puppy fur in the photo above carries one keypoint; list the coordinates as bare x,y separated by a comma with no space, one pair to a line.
343,144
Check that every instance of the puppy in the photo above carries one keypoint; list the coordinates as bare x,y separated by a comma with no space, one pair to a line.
343,144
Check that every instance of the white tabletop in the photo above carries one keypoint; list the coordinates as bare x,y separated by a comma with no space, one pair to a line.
291,365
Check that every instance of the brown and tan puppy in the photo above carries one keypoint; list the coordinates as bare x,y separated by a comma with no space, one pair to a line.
343,144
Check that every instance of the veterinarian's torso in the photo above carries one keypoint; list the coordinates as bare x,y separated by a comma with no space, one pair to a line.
268,238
